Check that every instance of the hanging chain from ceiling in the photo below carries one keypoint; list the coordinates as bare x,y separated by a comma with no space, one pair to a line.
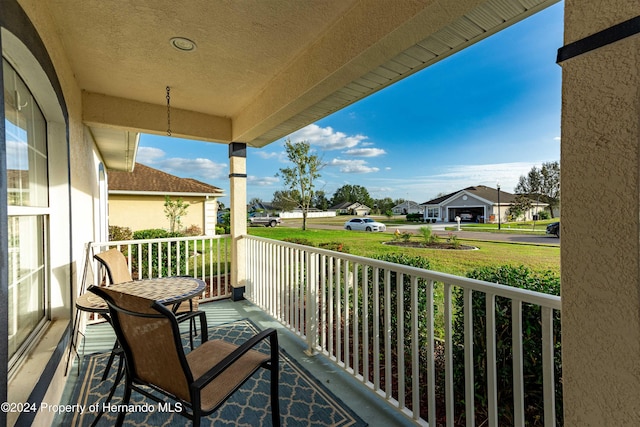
168,111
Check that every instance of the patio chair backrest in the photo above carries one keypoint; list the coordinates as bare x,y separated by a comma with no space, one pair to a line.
116,265
149,335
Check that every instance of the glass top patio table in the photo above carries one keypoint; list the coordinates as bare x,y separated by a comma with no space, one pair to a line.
165,290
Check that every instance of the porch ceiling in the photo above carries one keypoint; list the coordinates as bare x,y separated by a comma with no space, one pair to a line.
261,69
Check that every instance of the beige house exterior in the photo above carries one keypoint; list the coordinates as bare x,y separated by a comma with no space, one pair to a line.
97,72
137,198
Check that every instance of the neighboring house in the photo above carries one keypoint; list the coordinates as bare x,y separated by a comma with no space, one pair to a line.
477,203
264,207
136,199
351,208
407,207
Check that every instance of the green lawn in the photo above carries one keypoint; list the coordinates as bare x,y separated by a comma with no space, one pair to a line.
459,262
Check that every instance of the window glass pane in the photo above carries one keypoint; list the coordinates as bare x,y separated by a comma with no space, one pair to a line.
26,278
27,186
26,138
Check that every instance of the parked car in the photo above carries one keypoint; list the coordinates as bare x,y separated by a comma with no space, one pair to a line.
364,224
466,217
266,220
554,228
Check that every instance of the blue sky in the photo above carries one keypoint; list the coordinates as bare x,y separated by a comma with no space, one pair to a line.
485,115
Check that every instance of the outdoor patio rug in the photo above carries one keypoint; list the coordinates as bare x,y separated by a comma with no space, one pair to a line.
303,401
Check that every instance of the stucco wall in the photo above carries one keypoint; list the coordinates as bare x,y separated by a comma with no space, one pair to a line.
144,212
73,166
600,159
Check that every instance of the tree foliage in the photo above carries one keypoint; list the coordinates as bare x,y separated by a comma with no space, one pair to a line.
174,210
302,174
519,206
542,184
320,200
352,193
383,205
286,200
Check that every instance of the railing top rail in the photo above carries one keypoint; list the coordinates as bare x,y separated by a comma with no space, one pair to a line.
524,295
159,240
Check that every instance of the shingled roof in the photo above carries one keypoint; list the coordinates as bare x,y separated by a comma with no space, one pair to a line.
146,179
481,191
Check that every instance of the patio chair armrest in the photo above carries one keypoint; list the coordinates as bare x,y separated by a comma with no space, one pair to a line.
203,322
212,373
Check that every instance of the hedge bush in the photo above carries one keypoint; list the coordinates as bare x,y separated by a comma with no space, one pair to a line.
119,233
161,268
524,278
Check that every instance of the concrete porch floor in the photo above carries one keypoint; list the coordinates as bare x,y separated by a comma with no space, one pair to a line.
371,408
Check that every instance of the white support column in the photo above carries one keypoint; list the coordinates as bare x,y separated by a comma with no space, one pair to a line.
601,173
238,194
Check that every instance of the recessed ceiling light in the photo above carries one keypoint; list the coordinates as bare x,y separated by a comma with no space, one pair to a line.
183,44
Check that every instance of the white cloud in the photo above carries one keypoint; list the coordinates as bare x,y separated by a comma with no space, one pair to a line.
267,155
326,138
148,155
353,166
557,138
388,168
262,181
365,152
203,169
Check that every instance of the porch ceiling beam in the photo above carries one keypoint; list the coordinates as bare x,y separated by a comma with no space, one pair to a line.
112,112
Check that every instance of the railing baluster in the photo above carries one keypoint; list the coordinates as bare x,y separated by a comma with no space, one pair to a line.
365,323
346,326
548,367
400,338
431,367
376,329
186,258
355,351
517,354
415,350
312,303
338,312
331,322
469,380
323,302
302,284
448,354
387,333
492,380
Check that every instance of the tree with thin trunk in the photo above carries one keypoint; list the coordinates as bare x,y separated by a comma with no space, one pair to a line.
174,210
542,185
300,177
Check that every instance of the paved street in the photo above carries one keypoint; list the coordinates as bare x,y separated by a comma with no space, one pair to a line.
439,229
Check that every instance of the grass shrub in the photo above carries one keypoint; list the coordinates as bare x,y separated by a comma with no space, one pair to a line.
427,235
524,278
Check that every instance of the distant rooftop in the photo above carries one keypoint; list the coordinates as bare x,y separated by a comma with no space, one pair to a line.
482,191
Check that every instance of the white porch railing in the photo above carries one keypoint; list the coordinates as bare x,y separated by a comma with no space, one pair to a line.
408,333
204,257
